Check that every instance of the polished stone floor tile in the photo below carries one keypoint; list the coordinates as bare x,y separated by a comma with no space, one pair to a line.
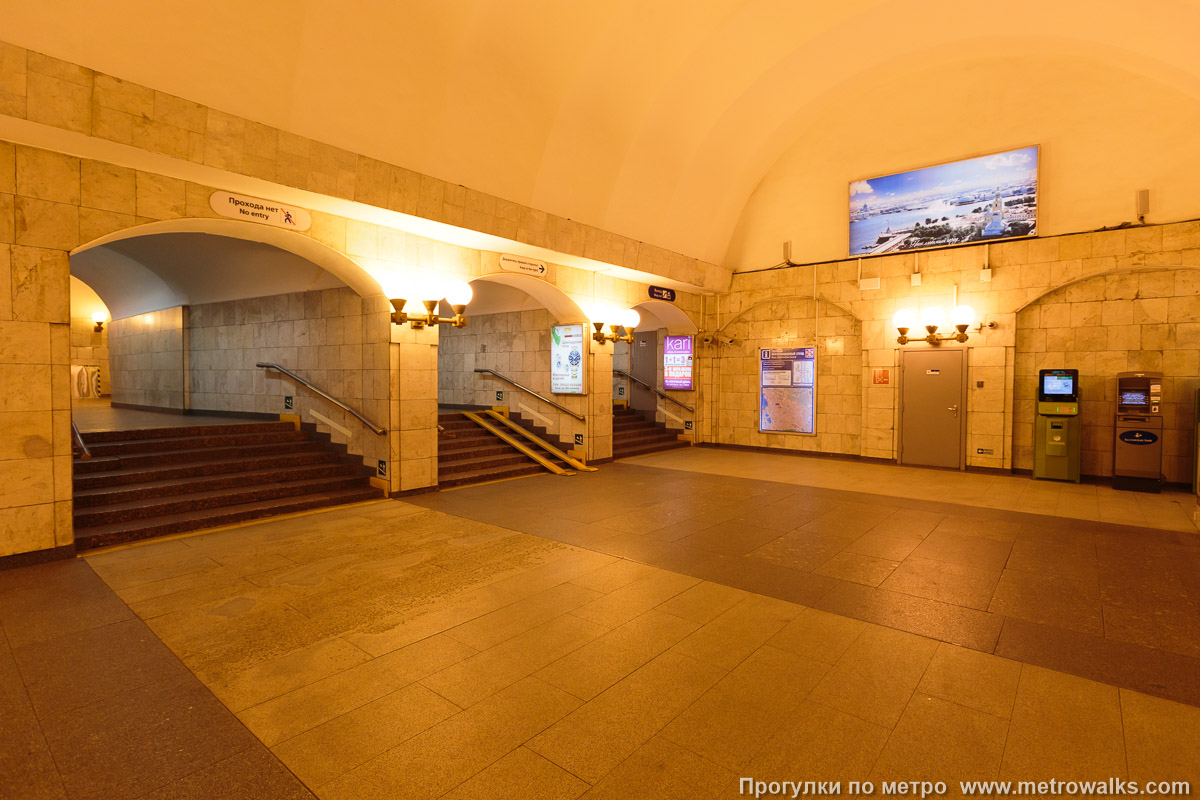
1036,597
524,774
731,722
321,754
818,636
876,676
703,602
1064,727
71,671
1161,739
610,658
662,770
439,759
252,773
305,708
936,740
972,679
857,568
596,738
152,735
953,583
728,639
958,625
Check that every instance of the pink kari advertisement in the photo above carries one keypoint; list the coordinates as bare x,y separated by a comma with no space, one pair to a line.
677,362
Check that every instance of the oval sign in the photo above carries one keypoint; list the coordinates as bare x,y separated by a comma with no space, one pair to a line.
1138,437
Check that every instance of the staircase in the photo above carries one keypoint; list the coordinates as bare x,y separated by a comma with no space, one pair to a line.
634,435
469,454
144,483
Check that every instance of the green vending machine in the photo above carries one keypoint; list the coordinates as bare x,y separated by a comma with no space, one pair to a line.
1057,432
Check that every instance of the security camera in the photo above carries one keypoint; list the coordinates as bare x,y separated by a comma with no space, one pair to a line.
723,339
706,338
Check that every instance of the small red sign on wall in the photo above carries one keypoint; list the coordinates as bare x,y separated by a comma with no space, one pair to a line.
881,377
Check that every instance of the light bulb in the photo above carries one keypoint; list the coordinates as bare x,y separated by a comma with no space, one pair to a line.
962,315
99,316
601,312
459,293
932,317
629,319
394,285
904,318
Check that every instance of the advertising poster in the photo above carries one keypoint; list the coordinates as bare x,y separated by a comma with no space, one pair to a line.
677,363
567,351
976,200
788,390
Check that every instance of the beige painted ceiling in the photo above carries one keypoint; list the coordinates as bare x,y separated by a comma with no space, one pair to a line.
659,119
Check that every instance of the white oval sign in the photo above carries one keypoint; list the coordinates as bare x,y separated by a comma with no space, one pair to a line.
517,264
255,209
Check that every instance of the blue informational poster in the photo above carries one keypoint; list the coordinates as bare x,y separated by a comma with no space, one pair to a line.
787,390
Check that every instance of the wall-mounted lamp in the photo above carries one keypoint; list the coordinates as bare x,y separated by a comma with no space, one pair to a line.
620,319
99,317
457,294
933,318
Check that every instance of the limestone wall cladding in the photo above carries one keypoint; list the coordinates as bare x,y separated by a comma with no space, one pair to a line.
35,393
796,322
1021,272
1127,321
334,338
89,348
75,98
148,359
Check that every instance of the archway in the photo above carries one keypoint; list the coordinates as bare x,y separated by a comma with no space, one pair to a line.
789,322
1119,320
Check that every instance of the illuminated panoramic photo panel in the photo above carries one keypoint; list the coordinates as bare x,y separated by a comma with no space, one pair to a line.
977,200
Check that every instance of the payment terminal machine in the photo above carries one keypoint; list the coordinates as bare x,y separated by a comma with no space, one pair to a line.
1137,432
1057,434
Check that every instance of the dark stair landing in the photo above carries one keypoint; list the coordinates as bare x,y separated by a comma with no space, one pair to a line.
140,484
635,435
469,454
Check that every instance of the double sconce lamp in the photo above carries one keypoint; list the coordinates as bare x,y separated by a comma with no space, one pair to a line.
624,320
933,318
457,295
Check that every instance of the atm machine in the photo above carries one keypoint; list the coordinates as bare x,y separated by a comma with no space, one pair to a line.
1137,432
1057,433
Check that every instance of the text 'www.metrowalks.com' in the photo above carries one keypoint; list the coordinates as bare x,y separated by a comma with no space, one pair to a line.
922,789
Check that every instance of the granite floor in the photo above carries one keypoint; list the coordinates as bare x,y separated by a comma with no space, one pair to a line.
635,632
1172,509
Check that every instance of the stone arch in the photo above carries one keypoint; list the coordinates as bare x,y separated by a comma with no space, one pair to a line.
671,317
338,264
1141,318
789,299
562,307
792,321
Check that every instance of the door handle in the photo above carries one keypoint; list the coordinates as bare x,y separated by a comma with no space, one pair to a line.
954,409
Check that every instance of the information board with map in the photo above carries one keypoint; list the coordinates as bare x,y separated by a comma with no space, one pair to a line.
788,390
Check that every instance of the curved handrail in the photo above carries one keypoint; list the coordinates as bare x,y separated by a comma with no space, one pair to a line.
372,426
526,389
654,389
84,453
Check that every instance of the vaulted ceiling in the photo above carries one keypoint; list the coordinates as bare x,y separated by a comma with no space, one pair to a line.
659,120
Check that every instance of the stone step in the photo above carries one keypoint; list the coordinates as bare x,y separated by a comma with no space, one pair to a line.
136,530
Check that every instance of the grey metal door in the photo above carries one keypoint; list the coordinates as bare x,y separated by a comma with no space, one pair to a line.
932,407
643,365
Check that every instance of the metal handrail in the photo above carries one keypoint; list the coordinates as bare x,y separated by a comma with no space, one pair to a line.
654,389
372,426
526,389
84,453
